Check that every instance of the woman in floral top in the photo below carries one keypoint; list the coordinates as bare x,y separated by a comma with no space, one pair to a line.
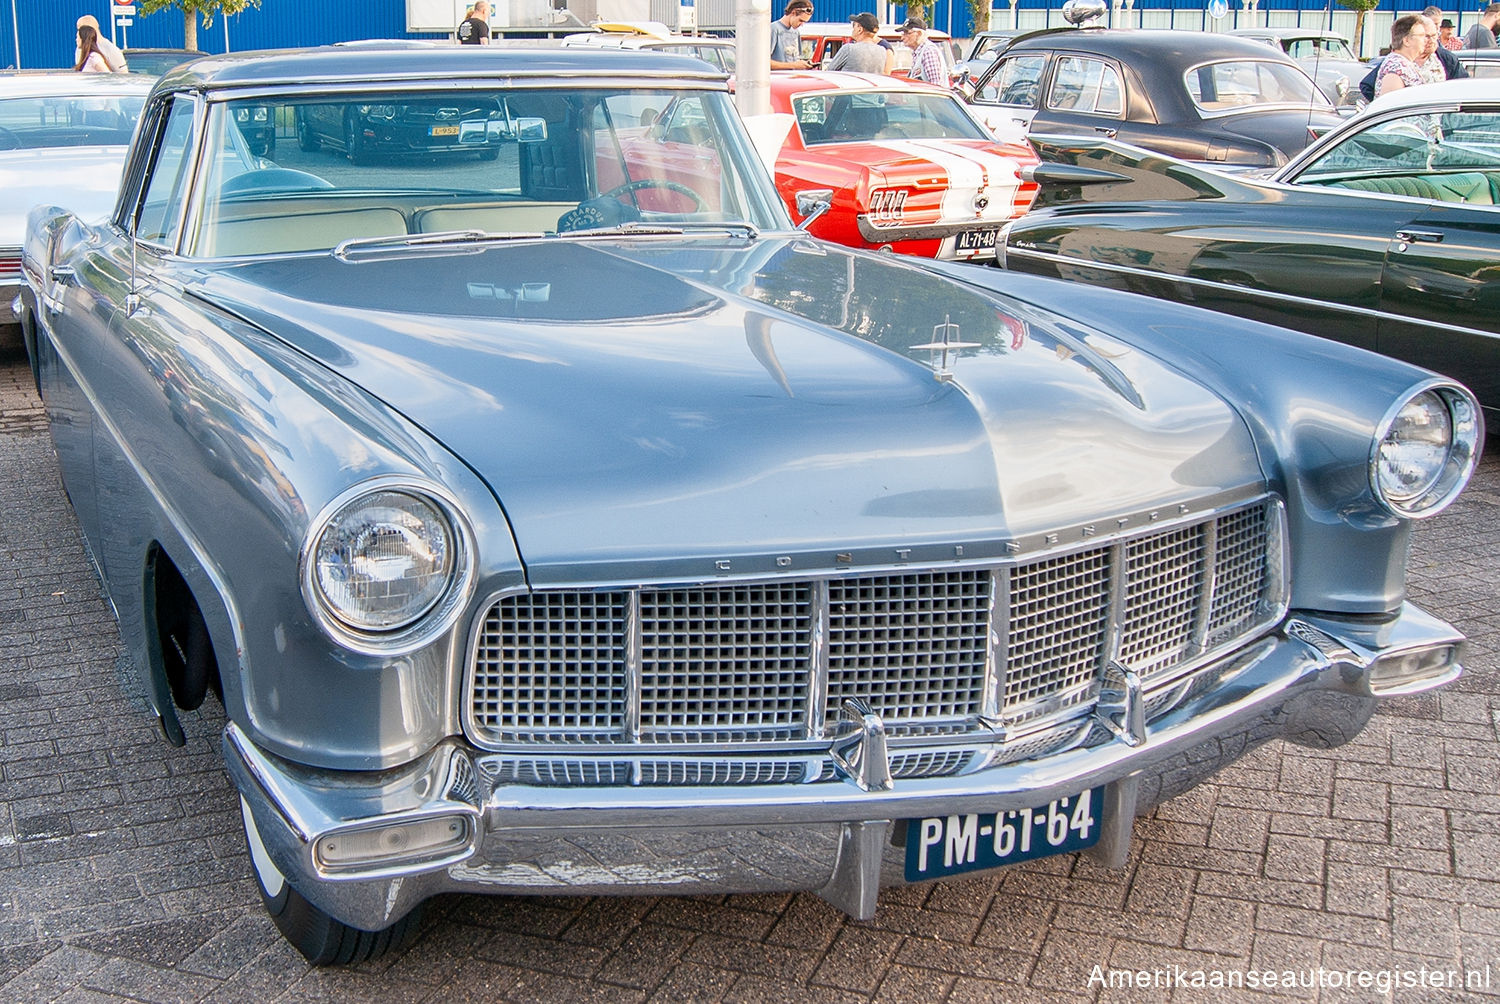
1403,67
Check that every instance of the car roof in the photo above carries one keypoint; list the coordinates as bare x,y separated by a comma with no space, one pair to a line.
1291,32
808,81
395,63
1148,45
29,84
1468,89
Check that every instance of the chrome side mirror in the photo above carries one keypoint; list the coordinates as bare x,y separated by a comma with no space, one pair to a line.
813,203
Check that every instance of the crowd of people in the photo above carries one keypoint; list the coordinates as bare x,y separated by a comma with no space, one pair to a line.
1422,54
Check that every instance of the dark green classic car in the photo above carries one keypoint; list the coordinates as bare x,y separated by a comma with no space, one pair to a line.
1385,234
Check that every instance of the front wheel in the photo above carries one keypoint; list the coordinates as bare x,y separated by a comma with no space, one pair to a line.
322,940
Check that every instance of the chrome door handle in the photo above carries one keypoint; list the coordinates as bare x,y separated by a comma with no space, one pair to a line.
1107,131
61,272
1419,236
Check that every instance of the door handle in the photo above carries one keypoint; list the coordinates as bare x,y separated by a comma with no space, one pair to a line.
1419,236
1107,131
61,272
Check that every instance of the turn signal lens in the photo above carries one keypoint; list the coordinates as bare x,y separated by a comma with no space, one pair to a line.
407,842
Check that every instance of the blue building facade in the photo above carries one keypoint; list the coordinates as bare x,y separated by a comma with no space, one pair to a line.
37,34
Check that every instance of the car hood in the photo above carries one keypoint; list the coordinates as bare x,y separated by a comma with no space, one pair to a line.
693,405
83,179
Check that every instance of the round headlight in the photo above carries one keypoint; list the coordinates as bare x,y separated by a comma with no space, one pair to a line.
384,562
1425,451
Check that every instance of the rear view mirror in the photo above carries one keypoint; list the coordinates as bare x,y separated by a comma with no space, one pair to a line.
531,129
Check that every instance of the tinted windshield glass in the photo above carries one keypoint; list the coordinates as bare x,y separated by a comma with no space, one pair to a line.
1218,87
95,120
838,117
307,174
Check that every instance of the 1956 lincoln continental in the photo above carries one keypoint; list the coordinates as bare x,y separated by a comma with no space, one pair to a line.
570,522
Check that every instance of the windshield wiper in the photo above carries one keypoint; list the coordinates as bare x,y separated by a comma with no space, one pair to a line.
445,237
635,228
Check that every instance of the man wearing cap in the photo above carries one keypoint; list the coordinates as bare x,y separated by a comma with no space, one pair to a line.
1481,34
786,36
862,54
926,59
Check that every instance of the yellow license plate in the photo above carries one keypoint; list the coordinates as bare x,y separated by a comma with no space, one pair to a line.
444,131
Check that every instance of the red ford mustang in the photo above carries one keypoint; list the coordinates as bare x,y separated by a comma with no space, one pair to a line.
906,165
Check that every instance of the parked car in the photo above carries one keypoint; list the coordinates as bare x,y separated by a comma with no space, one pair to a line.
983,48
433,126
544,537
1325,55
1192,95
63,138
1386,234
1481,63
821,41
898,164
155,62
715,51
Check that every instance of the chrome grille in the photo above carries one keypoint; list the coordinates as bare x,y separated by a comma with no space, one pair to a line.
1058,613
727,658
930,650
913,646
10,264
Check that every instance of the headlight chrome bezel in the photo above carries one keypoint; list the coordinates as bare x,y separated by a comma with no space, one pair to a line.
434,618
1466,424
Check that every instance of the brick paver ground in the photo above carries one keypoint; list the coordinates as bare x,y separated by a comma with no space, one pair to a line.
123,872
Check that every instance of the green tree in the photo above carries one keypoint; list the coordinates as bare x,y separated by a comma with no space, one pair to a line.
194,9
980,9
1360,8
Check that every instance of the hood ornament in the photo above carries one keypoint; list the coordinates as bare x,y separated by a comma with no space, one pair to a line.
945,339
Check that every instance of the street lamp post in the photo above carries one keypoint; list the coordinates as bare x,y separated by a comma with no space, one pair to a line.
15,31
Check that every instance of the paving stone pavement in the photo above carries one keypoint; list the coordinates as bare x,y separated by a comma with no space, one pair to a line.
124,876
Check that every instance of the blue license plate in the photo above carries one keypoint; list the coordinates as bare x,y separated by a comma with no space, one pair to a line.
949,845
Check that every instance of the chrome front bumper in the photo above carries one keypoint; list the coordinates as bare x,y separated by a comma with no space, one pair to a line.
594,828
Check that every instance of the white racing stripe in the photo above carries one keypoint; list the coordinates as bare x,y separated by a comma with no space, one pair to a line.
966,169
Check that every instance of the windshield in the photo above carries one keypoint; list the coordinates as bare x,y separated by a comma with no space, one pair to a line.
1320,48
95,120
1416,145
303,174
1239,83
842,117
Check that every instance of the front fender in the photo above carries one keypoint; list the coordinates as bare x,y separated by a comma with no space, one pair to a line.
1312,406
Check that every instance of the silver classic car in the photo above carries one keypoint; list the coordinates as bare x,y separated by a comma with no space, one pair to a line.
572,523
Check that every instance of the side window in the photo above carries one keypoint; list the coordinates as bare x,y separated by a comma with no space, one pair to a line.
166,180
1085,85
1016,81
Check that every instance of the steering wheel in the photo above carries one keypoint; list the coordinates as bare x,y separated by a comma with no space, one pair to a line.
662,183
9,140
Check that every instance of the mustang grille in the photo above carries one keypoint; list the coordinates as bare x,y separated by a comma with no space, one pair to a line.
931,651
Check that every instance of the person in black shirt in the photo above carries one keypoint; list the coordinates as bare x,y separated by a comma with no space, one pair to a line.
475,29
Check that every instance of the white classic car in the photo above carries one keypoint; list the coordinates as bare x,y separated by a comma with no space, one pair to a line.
63,138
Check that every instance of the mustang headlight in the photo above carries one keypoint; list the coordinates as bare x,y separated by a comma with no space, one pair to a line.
1425,450
387,566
